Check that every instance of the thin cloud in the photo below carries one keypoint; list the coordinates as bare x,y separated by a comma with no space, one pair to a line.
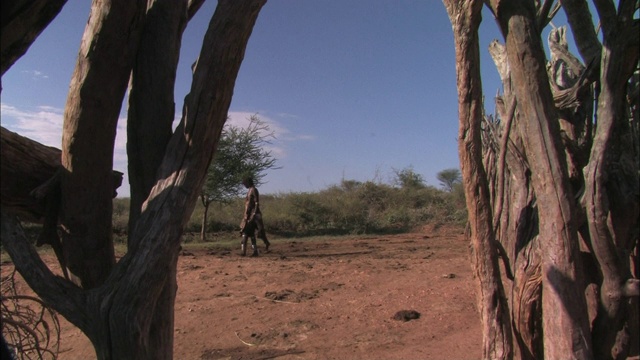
36,74
43,125
282,135
287,115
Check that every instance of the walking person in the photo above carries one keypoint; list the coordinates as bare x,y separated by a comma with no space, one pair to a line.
252,219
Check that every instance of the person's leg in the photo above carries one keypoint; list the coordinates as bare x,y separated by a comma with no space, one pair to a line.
254,246
262,234
244,245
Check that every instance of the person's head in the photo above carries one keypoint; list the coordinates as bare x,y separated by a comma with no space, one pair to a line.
247,182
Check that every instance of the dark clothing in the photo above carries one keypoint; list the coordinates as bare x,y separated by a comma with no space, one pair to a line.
5,351
252,220
251,211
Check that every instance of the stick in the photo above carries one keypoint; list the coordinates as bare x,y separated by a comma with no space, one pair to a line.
244,342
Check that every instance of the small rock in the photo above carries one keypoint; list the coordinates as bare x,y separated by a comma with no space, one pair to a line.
406,315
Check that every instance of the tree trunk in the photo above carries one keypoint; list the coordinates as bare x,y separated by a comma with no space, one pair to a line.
611,177
22,22
151,99
203,229
512,161
91,114
180,179
129,315
563,304
515,213
497,342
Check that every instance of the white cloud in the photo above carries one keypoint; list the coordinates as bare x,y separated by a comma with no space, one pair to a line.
43,125
35,74
282,135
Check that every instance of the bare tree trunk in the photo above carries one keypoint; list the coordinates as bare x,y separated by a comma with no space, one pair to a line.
180,179
611,176
203,229
515,214
22,22
100,79
128,313
151,99
563,304
465,17
580,20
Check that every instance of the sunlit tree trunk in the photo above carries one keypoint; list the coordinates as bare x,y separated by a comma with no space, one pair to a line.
563,178
610,178
497,341
91,115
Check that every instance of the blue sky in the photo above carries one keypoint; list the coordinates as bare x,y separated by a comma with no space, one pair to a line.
352,89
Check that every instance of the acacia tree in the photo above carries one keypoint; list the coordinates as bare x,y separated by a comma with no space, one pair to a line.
126,307
449,178
545,150
240,153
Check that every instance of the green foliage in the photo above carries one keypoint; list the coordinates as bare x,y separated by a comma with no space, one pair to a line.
241,153
120,219
349,208
449,178
408,179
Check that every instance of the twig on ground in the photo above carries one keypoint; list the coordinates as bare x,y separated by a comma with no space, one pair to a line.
244,342
274,300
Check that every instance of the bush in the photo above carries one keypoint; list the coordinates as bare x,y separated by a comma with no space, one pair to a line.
351,207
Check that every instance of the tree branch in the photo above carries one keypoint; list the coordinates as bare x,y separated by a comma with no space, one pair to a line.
58,293
22,23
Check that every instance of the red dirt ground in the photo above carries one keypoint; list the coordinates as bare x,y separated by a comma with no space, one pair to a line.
324,299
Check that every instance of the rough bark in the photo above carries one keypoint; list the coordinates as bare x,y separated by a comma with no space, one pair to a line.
22,22
97,89
602,170
151,98
149,123
25,165
563,304
180,177
515,211
580,20
465,18
28,170
611,177
126,315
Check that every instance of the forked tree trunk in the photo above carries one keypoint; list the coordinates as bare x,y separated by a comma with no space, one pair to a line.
130,314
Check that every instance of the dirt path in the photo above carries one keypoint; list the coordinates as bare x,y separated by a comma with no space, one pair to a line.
326,299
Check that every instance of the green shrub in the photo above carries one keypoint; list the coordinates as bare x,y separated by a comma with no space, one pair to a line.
352,207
